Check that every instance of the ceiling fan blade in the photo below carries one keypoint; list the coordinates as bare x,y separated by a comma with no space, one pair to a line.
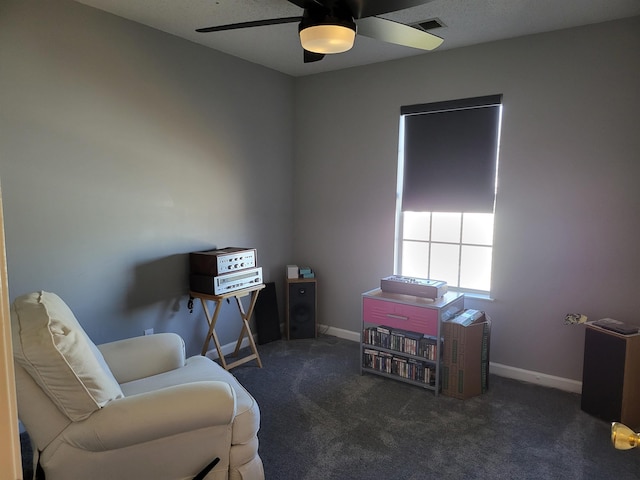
310,57
307,3
257,23
398,33
361,8
369,8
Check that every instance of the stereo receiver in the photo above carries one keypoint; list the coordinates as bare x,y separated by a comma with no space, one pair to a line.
222,261
229,282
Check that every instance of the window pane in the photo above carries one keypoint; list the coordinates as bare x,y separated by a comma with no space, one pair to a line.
477,228
415,225
444,263
415,259
446,227
476,268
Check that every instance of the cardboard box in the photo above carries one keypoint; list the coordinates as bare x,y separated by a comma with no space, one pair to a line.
465,358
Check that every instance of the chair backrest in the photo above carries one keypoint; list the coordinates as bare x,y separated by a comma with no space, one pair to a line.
39,415
61,376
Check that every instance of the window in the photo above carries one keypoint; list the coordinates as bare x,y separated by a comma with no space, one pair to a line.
447,178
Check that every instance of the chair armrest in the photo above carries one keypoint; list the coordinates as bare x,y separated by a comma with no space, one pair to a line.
154,415
139,357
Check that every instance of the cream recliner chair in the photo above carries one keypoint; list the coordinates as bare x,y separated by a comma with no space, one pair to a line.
130,409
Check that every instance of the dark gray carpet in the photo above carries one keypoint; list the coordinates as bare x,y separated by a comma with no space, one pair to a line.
322,420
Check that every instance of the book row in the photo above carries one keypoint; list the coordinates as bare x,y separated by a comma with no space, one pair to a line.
401,341
408,368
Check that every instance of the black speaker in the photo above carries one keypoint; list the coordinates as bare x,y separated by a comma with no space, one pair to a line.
301,308
266,313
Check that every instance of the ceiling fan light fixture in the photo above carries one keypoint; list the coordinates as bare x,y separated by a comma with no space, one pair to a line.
330,36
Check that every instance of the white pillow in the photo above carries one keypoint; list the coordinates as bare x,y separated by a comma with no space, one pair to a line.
50,344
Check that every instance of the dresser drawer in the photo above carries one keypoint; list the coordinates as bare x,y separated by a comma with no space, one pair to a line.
398,315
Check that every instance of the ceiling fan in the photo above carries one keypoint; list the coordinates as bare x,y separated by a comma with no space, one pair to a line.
330,26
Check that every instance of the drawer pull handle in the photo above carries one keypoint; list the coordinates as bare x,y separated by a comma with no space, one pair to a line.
397,317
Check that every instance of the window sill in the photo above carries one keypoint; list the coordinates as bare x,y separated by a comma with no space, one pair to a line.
478,296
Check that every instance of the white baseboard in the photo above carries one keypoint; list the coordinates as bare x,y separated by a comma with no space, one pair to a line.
499,369
228,348
542,379
339,332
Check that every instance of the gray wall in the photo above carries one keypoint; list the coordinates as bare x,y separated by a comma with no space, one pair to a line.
118,142
566,228
121,150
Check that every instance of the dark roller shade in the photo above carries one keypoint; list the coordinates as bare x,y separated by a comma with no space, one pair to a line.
450,153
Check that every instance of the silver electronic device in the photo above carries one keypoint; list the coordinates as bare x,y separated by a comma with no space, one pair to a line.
222,261
229,282
418,287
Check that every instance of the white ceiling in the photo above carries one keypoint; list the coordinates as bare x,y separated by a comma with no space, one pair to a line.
467,22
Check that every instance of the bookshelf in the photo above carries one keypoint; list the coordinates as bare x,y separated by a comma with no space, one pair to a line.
401,336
